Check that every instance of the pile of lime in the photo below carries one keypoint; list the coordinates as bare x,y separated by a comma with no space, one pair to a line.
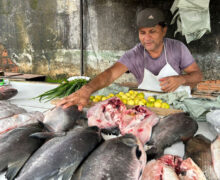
133,98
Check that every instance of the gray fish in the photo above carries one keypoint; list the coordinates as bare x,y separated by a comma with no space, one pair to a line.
19,120
16,147
59,119
119,158
60,156
198,149
8,110
7,92
170,129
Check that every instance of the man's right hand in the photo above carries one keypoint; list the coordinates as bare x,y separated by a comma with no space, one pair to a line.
79,98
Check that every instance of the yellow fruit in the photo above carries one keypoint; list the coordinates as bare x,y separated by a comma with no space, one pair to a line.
151,99
130,102
131,92
92,97
95,100
144,101
127,94
121,93
111,95
165,105
98,97
141,103
104,98
140,95
150,104
124,96
136,101
157,104
124,101
159,100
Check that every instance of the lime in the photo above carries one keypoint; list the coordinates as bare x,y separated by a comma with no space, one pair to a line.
157,104
165,105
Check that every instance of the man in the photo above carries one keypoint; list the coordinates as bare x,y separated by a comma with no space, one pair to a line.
156,62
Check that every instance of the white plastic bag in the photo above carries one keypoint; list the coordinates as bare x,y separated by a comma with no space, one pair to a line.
213,118
193,18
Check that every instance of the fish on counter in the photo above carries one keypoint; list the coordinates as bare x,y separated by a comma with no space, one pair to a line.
60,156
169,130
118,158
215,149
16,146
106,114
198,149
7,110
19,120
157,170
138,121
7,92
113,114
59,119
190,171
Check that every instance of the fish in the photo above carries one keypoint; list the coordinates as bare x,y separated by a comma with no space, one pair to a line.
8,110
138,121
113,114
215,150
170,129
198,149
158,170
106,114
19,120
58,119
60,156
190,171
7,92
118,158
16,146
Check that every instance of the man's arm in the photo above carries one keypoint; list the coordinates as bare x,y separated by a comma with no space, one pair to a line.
192,77
81,97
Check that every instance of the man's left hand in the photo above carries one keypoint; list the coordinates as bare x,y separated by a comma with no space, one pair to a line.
171,83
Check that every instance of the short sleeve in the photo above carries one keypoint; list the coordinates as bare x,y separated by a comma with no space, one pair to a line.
186,57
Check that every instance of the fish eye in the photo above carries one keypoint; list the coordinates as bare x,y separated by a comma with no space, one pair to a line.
138,153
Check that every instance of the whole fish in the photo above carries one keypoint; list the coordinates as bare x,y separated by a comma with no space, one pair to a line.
215,149
19,120
8,110
59,119
16,146
7,92
198,149
171,129
118,158
60,156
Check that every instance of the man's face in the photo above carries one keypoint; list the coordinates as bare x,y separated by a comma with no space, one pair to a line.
152,37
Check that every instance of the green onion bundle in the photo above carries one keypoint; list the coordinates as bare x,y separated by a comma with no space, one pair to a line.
64,89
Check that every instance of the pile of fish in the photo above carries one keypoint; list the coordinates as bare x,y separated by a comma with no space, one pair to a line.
54,145
7,92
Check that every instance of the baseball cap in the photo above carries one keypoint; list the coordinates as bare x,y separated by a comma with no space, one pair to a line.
149,17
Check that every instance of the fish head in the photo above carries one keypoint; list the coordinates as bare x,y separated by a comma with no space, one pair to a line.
138,152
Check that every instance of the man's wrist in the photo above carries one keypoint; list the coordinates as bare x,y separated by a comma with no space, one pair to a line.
183,80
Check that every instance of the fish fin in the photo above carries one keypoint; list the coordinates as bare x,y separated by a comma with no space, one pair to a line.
14,168
68,173
47,135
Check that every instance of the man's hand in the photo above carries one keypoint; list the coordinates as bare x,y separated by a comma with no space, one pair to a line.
80,98
171,83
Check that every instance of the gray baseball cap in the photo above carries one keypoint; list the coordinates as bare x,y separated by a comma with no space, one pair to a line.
149,17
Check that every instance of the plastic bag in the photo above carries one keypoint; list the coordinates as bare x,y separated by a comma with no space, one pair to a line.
193,18
213,118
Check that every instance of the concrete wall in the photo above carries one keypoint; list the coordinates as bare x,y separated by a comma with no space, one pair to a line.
43,36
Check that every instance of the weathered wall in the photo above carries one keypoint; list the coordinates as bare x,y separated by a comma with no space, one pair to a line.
43,36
